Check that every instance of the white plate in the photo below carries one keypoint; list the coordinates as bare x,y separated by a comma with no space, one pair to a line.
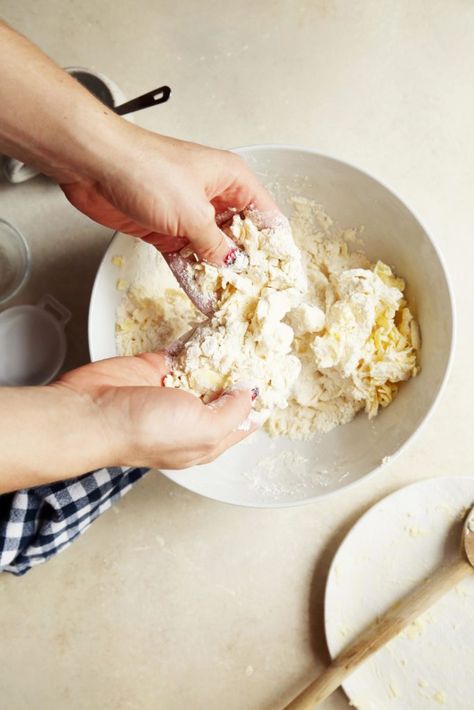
262,472
395,545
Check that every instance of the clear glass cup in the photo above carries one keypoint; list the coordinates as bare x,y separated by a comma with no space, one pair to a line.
15,261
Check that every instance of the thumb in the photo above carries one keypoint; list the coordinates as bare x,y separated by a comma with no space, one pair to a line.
226,413
210,243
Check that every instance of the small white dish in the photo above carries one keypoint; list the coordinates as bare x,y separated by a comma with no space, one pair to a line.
395,545
32,343
264,472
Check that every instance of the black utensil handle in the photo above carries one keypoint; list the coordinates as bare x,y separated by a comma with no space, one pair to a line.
151,98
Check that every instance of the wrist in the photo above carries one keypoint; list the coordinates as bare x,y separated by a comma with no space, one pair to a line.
48,119
89,148
99,446
119,150
48,434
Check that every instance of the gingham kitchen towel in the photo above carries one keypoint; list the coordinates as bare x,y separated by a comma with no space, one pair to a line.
36,523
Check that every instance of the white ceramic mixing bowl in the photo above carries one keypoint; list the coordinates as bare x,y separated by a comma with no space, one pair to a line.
276,472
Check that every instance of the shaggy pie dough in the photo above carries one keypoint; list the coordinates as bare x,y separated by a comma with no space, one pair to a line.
321,331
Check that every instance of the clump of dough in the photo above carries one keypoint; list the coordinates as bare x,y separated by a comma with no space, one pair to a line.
246,339
368,341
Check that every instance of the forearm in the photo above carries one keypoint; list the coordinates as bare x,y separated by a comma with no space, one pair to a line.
47,118
49,434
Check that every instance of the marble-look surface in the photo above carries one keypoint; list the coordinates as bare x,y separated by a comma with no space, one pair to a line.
172,601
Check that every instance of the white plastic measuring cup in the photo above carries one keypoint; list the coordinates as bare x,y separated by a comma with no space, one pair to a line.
32,342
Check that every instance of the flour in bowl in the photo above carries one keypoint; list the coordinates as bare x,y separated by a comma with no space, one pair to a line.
319,329
155,311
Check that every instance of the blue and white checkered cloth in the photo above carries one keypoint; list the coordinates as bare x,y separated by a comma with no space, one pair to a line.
36,523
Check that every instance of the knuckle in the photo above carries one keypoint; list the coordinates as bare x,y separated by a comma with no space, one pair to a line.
237,161
209,458
208,447
210,443
208,252
206,213
231,162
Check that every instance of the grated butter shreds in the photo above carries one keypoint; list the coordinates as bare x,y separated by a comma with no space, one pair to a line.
369,339
118,261
150,324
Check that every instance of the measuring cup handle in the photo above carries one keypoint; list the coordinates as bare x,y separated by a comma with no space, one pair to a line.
51,304
151,98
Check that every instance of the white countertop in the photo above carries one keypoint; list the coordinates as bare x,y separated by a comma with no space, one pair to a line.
172,601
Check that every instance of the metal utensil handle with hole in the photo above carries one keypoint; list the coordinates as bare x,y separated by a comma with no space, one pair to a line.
53,306
381,632
151,98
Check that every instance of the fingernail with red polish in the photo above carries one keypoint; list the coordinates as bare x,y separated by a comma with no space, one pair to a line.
163,379
245,385
237,258
231,257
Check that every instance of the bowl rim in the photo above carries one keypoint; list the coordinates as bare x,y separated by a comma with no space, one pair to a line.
242,150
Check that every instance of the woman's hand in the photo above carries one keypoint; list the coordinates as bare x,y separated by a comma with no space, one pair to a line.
111,413
150,425
168,192
161,189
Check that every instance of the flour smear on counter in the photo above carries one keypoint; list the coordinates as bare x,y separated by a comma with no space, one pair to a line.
319,329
